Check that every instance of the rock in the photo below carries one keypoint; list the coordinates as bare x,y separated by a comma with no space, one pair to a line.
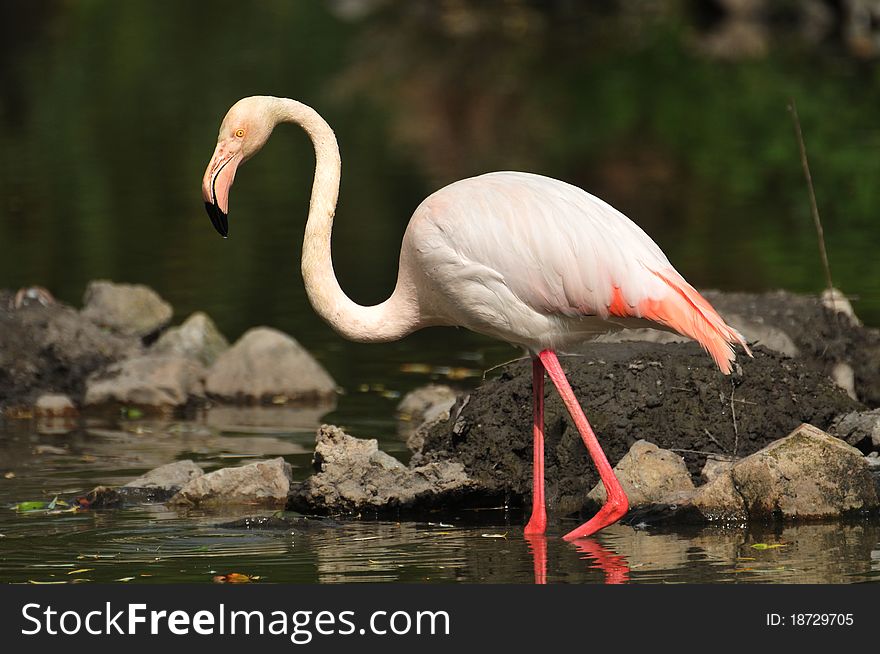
157,485
757,333
150,380
126,309
806,475
859,428
715,466
266,483
845,377
54,405
270,367
834,300
172,476
647,475
354,475
627,390
52,350
718,500
644,335
754,331
422,405
197,338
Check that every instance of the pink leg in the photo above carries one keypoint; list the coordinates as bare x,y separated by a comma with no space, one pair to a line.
616,505
538,521
538,546
613,565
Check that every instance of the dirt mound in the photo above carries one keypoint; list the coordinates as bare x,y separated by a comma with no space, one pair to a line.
670,395
823,337
52,349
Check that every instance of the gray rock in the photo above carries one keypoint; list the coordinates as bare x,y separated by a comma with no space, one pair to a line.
265,483
859,428
834,300
753,330
353,475
158,381
54,405
197,338
644,335
172,476
647,475
756,332
127,309
422,405
715,466
266,365
158,485
51,350
845,377
806,475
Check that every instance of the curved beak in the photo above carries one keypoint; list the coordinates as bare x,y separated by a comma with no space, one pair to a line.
216,184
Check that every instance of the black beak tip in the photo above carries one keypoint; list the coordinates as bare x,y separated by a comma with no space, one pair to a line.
218,219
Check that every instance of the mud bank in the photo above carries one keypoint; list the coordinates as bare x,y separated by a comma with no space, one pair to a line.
825,338
669,395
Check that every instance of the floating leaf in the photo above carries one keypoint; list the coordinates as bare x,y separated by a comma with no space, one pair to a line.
80,571
9,475
462,373
765,546
38,505
124,579
44,583
25,507
420,368
504,535
234,578
133,413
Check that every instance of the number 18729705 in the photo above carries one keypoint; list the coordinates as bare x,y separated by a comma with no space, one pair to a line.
810,620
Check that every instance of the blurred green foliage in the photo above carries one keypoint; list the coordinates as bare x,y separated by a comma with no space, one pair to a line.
111,110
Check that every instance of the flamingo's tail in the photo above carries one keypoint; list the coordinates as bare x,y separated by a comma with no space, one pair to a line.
690,314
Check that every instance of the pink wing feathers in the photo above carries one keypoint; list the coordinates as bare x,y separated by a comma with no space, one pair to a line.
560,252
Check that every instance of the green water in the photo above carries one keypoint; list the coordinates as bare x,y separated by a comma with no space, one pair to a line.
110,112
153,544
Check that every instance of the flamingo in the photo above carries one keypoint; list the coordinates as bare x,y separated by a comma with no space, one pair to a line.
520,257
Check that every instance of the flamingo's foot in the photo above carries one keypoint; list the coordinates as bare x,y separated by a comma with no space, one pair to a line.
537,523
611,512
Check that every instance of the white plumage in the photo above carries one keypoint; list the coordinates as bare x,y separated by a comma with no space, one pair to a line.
530,259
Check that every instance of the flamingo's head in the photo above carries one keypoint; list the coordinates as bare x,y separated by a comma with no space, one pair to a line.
243,132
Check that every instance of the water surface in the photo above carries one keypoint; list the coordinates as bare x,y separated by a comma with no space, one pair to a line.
111,111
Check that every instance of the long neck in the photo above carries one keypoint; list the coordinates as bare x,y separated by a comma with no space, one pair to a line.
388,321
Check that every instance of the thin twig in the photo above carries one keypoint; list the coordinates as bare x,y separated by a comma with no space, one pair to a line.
713,439
814,207
714,454
503,363
733,413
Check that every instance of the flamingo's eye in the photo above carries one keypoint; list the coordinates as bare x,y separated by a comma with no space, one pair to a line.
239,133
